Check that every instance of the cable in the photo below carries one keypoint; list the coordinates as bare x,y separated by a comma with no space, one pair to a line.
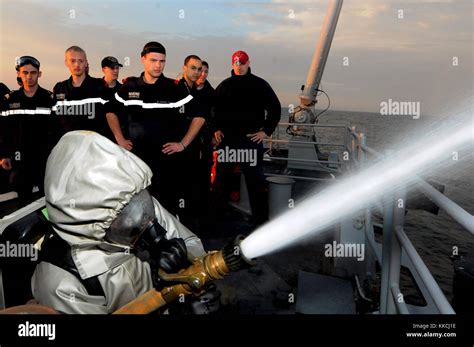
329,104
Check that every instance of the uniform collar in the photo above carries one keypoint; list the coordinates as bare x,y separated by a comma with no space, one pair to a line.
183,82
22,91
117,84
86,80
160,79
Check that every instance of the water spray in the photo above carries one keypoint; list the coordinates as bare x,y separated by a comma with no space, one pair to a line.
315,214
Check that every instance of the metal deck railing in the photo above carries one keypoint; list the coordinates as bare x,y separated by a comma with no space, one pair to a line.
396,243
330,166
396,246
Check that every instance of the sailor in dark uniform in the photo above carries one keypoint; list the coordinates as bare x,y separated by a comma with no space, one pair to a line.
4,90
189,189
111,68
160,131
80,99
204,93
26,119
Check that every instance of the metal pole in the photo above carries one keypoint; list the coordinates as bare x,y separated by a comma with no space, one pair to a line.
315,73
396,251
315,125
353,146
302,177
439,298
369,230
346,140
304,142
401,305
386,250
361,140
2,297
450,207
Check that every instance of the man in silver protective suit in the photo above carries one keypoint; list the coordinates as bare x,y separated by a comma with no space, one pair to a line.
108,233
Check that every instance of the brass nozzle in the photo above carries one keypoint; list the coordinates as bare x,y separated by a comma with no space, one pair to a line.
204,270
233,256
213,266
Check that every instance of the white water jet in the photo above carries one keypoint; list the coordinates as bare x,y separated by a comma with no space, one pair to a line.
315,214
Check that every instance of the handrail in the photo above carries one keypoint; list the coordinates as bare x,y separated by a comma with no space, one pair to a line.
459,214
306,160
304,142
300,177
371,151
439,299
395,240
400,304
313,125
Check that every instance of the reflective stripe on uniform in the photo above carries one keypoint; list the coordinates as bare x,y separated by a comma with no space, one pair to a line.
153,105
78,102
22,111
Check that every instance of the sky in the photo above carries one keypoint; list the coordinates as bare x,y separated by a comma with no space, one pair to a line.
409,51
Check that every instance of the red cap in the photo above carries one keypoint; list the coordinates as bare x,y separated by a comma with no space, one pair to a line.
240,57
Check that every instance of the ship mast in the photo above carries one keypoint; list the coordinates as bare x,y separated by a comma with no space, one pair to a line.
321,52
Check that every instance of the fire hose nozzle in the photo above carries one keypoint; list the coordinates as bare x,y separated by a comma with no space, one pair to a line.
192,280
213,266
233,257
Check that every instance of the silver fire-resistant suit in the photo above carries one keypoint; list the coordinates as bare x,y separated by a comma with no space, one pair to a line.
89,180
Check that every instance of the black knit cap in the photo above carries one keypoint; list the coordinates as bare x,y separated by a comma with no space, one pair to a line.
153,47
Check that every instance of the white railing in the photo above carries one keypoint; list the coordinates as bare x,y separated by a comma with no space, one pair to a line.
395,241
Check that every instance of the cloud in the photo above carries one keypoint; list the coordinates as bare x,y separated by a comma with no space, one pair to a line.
370,24
369,9
389,57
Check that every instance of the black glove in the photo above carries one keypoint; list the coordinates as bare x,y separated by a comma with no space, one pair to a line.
170,255
207,303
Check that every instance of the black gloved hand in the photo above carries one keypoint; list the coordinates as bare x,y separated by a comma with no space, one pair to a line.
207,303
171,255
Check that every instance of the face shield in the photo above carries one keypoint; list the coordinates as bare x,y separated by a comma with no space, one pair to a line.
136,227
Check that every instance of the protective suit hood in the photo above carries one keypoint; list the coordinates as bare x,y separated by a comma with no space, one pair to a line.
88,181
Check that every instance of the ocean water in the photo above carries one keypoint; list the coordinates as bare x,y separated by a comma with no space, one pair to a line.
436,237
